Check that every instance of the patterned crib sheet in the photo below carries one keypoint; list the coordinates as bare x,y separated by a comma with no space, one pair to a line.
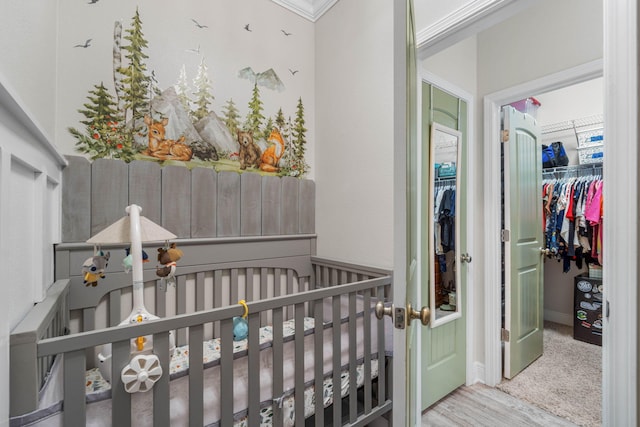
95,384
179,362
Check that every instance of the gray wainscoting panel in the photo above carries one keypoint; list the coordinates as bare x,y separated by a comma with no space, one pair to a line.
271,205
198,203
145,188
204,188
251,204
109,192
176,200
228,204
290,222
76,200
307,206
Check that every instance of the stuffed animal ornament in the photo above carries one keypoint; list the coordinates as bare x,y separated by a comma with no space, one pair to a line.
240,325
168,258
93,268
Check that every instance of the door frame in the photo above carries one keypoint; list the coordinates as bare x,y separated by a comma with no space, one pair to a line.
620,59
493,212
468,301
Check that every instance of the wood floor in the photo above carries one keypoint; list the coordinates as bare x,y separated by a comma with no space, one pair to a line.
482,406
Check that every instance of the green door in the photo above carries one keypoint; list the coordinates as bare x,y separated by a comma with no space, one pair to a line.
523,260
443,346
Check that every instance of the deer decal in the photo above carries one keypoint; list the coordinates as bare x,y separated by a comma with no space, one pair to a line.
165,149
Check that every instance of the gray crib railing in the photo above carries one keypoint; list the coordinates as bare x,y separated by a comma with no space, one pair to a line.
375,403
49,318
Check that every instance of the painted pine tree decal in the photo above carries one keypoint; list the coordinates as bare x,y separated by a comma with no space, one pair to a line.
231,117
254,117
182,87
104,136
135,79
299,140
202,93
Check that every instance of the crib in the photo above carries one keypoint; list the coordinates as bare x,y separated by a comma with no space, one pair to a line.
315,354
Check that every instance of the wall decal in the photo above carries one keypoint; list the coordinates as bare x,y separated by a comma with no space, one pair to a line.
140,120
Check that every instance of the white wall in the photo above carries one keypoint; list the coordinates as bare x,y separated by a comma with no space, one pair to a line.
354,118
28,49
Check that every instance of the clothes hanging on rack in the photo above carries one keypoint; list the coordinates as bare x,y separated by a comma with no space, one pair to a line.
572,217
444,216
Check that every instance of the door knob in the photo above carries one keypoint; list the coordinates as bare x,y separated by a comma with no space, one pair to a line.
465,258
423,314
382,311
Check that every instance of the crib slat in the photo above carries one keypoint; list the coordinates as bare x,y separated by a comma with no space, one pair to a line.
337,386
217,298
196,336
264,282
88,319
249,284
200,291
74,389
277,366
161,407
381,354
318,357
234,286
121,400
353,358
254,369
226,372
161,300
181,306
367,351
299,364
114,307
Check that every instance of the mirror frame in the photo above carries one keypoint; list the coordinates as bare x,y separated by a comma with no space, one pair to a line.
453,315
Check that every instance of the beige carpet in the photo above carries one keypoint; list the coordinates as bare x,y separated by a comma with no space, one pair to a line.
566,380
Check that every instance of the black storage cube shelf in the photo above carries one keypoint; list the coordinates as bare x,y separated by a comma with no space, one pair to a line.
588,301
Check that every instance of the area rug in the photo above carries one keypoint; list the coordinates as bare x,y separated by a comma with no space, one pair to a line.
566,380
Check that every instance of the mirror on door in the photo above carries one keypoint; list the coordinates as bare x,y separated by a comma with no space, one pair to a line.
444,300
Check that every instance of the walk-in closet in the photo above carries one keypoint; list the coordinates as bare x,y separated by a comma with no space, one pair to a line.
567,378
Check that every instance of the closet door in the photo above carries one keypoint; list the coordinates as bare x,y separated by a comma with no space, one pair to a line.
443,343
524,304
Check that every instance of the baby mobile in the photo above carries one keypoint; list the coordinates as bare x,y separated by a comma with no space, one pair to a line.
143,369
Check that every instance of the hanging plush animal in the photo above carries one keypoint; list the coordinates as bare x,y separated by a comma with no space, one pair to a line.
93,268
168,259
127,262
240,324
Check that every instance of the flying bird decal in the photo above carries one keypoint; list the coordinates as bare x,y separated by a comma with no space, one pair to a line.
198,24
85,45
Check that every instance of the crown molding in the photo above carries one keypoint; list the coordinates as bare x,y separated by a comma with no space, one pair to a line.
308,9
469,19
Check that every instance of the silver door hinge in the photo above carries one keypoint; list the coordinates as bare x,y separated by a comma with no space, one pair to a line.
504,235
504,335
504,136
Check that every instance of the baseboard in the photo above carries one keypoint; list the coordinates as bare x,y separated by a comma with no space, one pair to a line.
477,374
558,317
